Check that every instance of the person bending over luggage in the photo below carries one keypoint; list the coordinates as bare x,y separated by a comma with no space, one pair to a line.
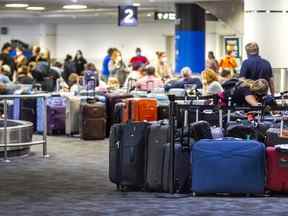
250,92
149,81
187,79
69,68
24,77
211,84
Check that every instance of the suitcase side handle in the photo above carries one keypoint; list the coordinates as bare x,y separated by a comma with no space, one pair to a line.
282,149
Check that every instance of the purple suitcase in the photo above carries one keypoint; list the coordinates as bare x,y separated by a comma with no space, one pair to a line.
56,114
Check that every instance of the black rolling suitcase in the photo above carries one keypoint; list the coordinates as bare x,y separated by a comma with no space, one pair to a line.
127,155
157,138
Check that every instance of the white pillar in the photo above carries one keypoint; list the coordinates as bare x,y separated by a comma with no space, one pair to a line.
48,38
265,22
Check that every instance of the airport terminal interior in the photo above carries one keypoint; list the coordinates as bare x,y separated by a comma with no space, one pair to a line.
143,107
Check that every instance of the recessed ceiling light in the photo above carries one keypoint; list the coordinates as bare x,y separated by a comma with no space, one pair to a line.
149,14
74,7
35,8
16,5
136,4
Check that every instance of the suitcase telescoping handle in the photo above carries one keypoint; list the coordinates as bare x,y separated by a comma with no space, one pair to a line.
93,98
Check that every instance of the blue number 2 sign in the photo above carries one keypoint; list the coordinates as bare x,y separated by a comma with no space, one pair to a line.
128,16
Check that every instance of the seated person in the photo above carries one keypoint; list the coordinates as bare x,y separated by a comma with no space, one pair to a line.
210,83
23,76
149,81
186,74
74,83
250,92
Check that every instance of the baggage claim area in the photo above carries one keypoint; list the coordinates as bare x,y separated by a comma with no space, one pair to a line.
143,107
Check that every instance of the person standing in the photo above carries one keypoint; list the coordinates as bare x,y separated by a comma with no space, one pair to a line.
138,61
255,67
163,69
105,65
228,61
6,59
80,62
212,63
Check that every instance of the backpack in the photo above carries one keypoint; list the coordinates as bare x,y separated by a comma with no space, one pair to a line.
229,87
91,79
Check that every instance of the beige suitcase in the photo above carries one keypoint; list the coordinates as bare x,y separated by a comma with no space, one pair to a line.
72,115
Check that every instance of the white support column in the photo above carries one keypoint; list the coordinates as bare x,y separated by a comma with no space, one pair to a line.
265,22
48,38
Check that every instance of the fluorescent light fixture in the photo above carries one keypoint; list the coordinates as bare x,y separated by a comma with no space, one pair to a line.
149,14
74,7
136,4
16,5
35,8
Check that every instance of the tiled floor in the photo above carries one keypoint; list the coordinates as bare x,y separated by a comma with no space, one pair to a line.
74,181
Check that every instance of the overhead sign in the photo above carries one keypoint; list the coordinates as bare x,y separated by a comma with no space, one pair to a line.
128,16
169,16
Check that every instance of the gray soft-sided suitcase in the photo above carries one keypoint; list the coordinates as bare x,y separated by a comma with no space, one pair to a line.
158,137
72,115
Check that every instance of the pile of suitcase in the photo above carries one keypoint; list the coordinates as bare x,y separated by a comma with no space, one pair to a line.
90,114
238,154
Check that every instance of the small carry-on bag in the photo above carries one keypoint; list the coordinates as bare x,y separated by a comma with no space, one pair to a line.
228,166
201,130
140,109
127,155
277,168
112,100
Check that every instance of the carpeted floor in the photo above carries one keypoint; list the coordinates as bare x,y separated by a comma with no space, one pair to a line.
74,181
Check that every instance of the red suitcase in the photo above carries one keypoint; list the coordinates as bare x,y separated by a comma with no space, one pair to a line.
140,109
277,168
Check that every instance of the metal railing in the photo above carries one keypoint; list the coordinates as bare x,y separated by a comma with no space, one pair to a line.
5,99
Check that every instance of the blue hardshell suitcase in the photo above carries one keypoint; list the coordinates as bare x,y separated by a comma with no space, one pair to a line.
228,165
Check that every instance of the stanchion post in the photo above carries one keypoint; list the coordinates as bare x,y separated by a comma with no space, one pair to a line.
5,132
45,153
172,143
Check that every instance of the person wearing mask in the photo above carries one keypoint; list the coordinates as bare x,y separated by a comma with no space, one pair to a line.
250,92
138,60
150,81
212,63
187,79
6,59
163,69
228,61
211,83
117,67
255,67
105,65
23,76
80,62
69,68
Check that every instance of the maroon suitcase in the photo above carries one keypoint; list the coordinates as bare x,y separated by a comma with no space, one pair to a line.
277,168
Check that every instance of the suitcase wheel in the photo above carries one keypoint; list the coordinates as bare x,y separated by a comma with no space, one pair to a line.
194,194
